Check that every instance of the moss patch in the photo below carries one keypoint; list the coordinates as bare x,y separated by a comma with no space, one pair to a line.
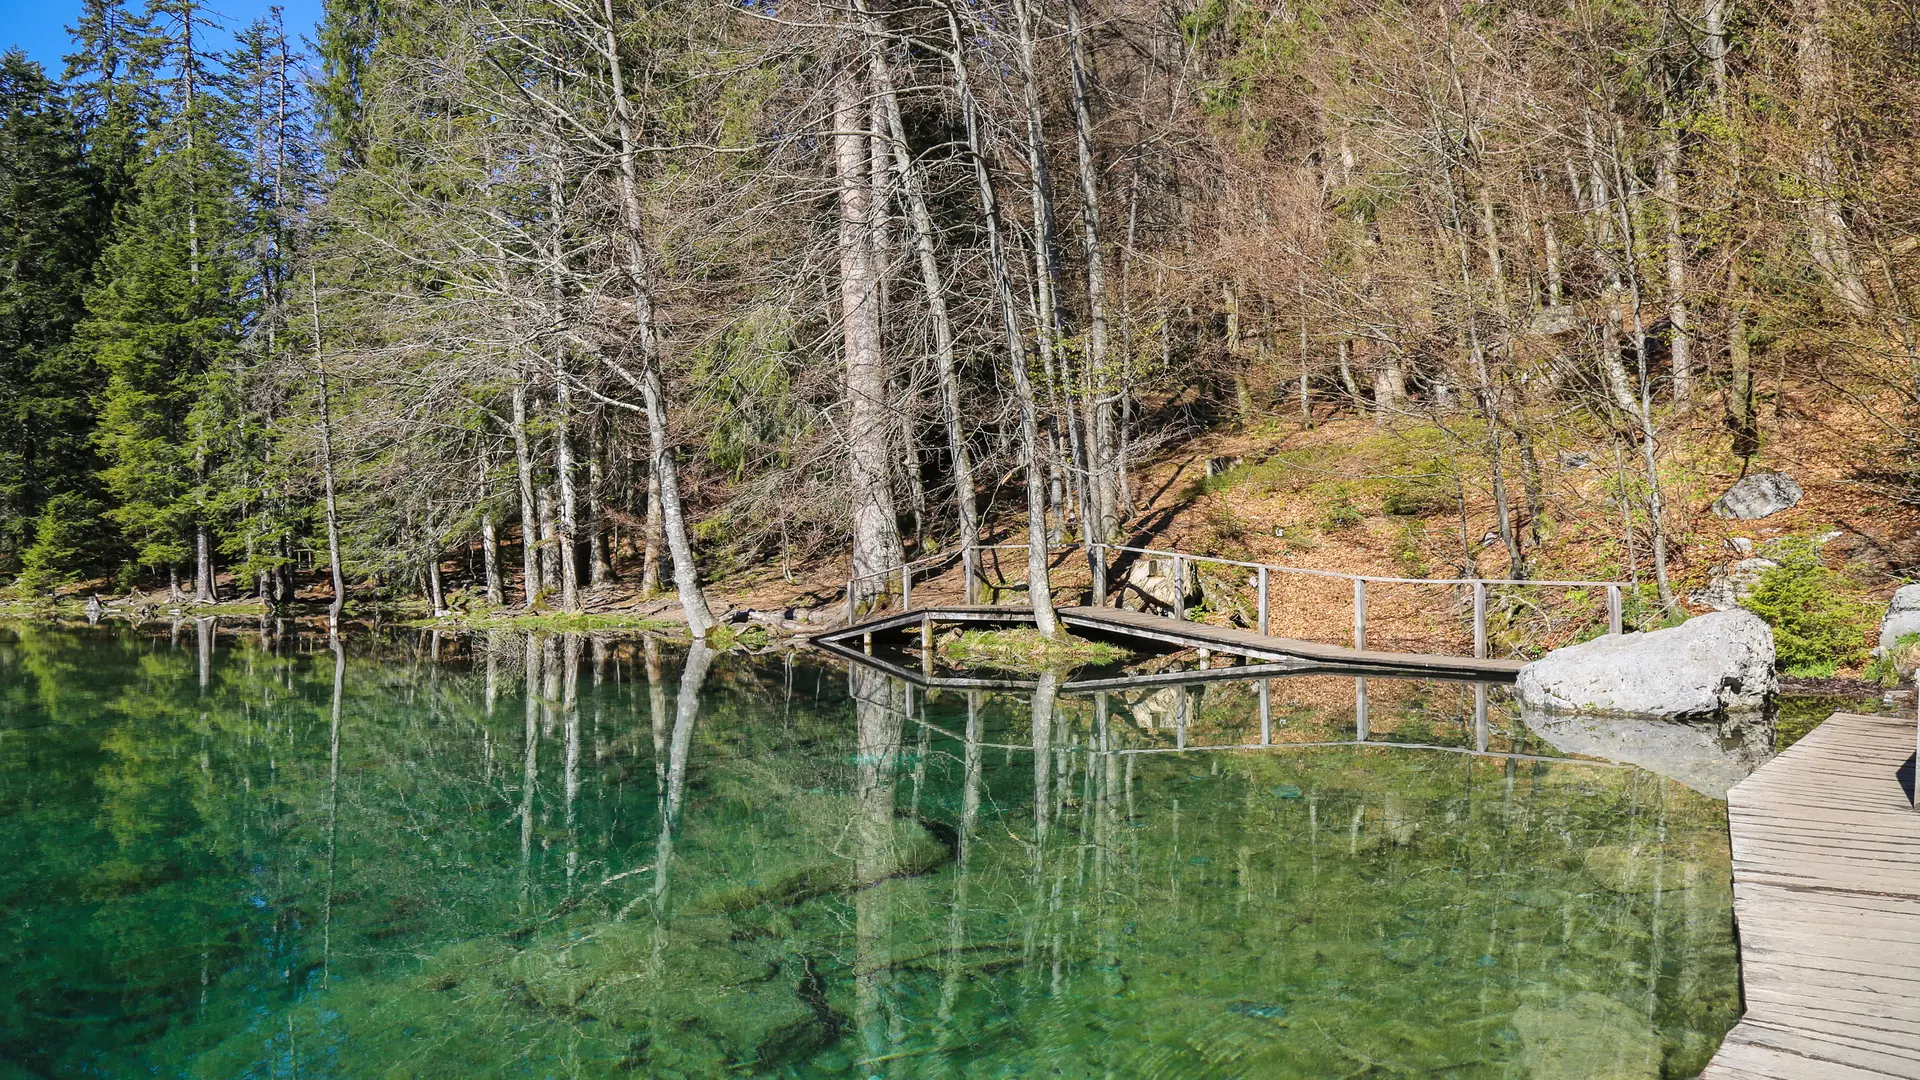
1026,651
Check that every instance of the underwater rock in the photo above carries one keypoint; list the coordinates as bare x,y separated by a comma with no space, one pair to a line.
1758,496
1708,756
1706,667
1586,1037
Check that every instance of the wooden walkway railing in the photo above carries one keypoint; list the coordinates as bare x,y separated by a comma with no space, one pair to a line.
876,588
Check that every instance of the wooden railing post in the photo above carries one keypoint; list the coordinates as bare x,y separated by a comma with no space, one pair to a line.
1359,613
926,645
852,605
1262,587
1179,587
1480,619
1097,566
1616,617
1362,730
906,586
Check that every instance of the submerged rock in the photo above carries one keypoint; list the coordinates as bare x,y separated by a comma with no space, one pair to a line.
1586,1037
1758,496
1902,618
1708,756
1704,668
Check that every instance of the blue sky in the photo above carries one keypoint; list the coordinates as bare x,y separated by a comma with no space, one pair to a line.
39,26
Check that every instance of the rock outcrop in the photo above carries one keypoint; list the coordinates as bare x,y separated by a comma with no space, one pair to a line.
1758,496
1902,618
1730,584
1702,669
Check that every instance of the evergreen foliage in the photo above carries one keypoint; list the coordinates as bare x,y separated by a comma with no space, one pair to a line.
1817,627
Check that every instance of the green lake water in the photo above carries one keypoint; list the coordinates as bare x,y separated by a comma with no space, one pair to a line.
498,856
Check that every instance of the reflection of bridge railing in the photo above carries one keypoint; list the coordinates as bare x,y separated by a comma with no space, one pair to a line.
878,598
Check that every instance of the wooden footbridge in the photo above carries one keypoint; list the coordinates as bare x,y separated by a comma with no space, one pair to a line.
888,610
1826,894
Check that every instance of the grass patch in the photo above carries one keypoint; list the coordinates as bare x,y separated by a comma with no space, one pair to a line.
549,621
1025,651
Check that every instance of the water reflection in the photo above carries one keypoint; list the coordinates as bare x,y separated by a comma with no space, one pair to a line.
247,861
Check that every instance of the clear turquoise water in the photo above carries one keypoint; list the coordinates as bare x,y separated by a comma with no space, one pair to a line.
244,862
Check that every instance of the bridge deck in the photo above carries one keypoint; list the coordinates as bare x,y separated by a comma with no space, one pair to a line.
1826,882
1187,634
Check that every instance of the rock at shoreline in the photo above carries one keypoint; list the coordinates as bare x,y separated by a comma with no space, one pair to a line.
1702,669
1758,496
1903,616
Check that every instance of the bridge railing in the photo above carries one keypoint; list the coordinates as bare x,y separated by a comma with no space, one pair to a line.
874,593
1483,592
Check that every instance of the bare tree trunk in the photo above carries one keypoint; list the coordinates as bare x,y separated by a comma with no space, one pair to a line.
1831,244
549,538
876,536
1679,318
599,556
489,536
1038,584
1642,409
686,576
656,536
204,591
913,186
529,523
335,609
436,591
1096,376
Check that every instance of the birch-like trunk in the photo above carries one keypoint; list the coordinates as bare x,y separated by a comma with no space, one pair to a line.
1828,239
686,576
339,580
529,521
933,283
1039,588
876,532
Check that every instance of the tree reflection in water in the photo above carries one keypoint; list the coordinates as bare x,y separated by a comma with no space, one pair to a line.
260,856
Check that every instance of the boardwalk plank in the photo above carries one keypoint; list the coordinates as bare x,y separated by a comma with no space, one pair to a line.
1826,865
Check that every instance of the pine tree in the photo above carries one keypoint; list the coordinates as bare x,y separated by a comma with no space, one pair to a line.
168,310
49,219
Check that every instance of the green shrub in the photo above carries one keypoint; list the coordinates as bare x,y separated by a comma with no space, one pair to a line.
1817,628
1415,498
1341,512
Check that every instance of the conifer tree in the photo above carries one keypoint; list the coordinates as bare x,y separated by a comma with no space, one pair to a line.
49,218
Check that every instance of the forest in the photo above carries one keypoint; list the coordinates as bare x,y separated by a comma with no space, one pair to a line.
570,291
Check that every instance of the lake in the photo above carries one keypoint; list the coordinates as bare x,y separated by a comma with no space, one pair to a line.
515,856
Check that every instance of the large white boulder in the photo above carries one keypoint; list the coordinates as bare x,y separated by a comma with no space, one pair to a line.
1903,616
1705,667
1760,495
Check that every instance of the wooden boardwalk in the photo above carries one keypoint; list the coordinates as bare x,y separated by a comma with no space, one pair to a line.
1183,633
1826,882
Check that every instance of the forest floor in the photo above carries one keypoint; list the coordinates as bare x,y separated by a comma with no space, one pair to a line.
1350,496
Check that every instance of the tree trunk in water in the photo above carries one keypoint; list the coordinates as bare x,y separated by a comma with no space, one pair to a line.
913,185
1038,584
529,522
876,536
